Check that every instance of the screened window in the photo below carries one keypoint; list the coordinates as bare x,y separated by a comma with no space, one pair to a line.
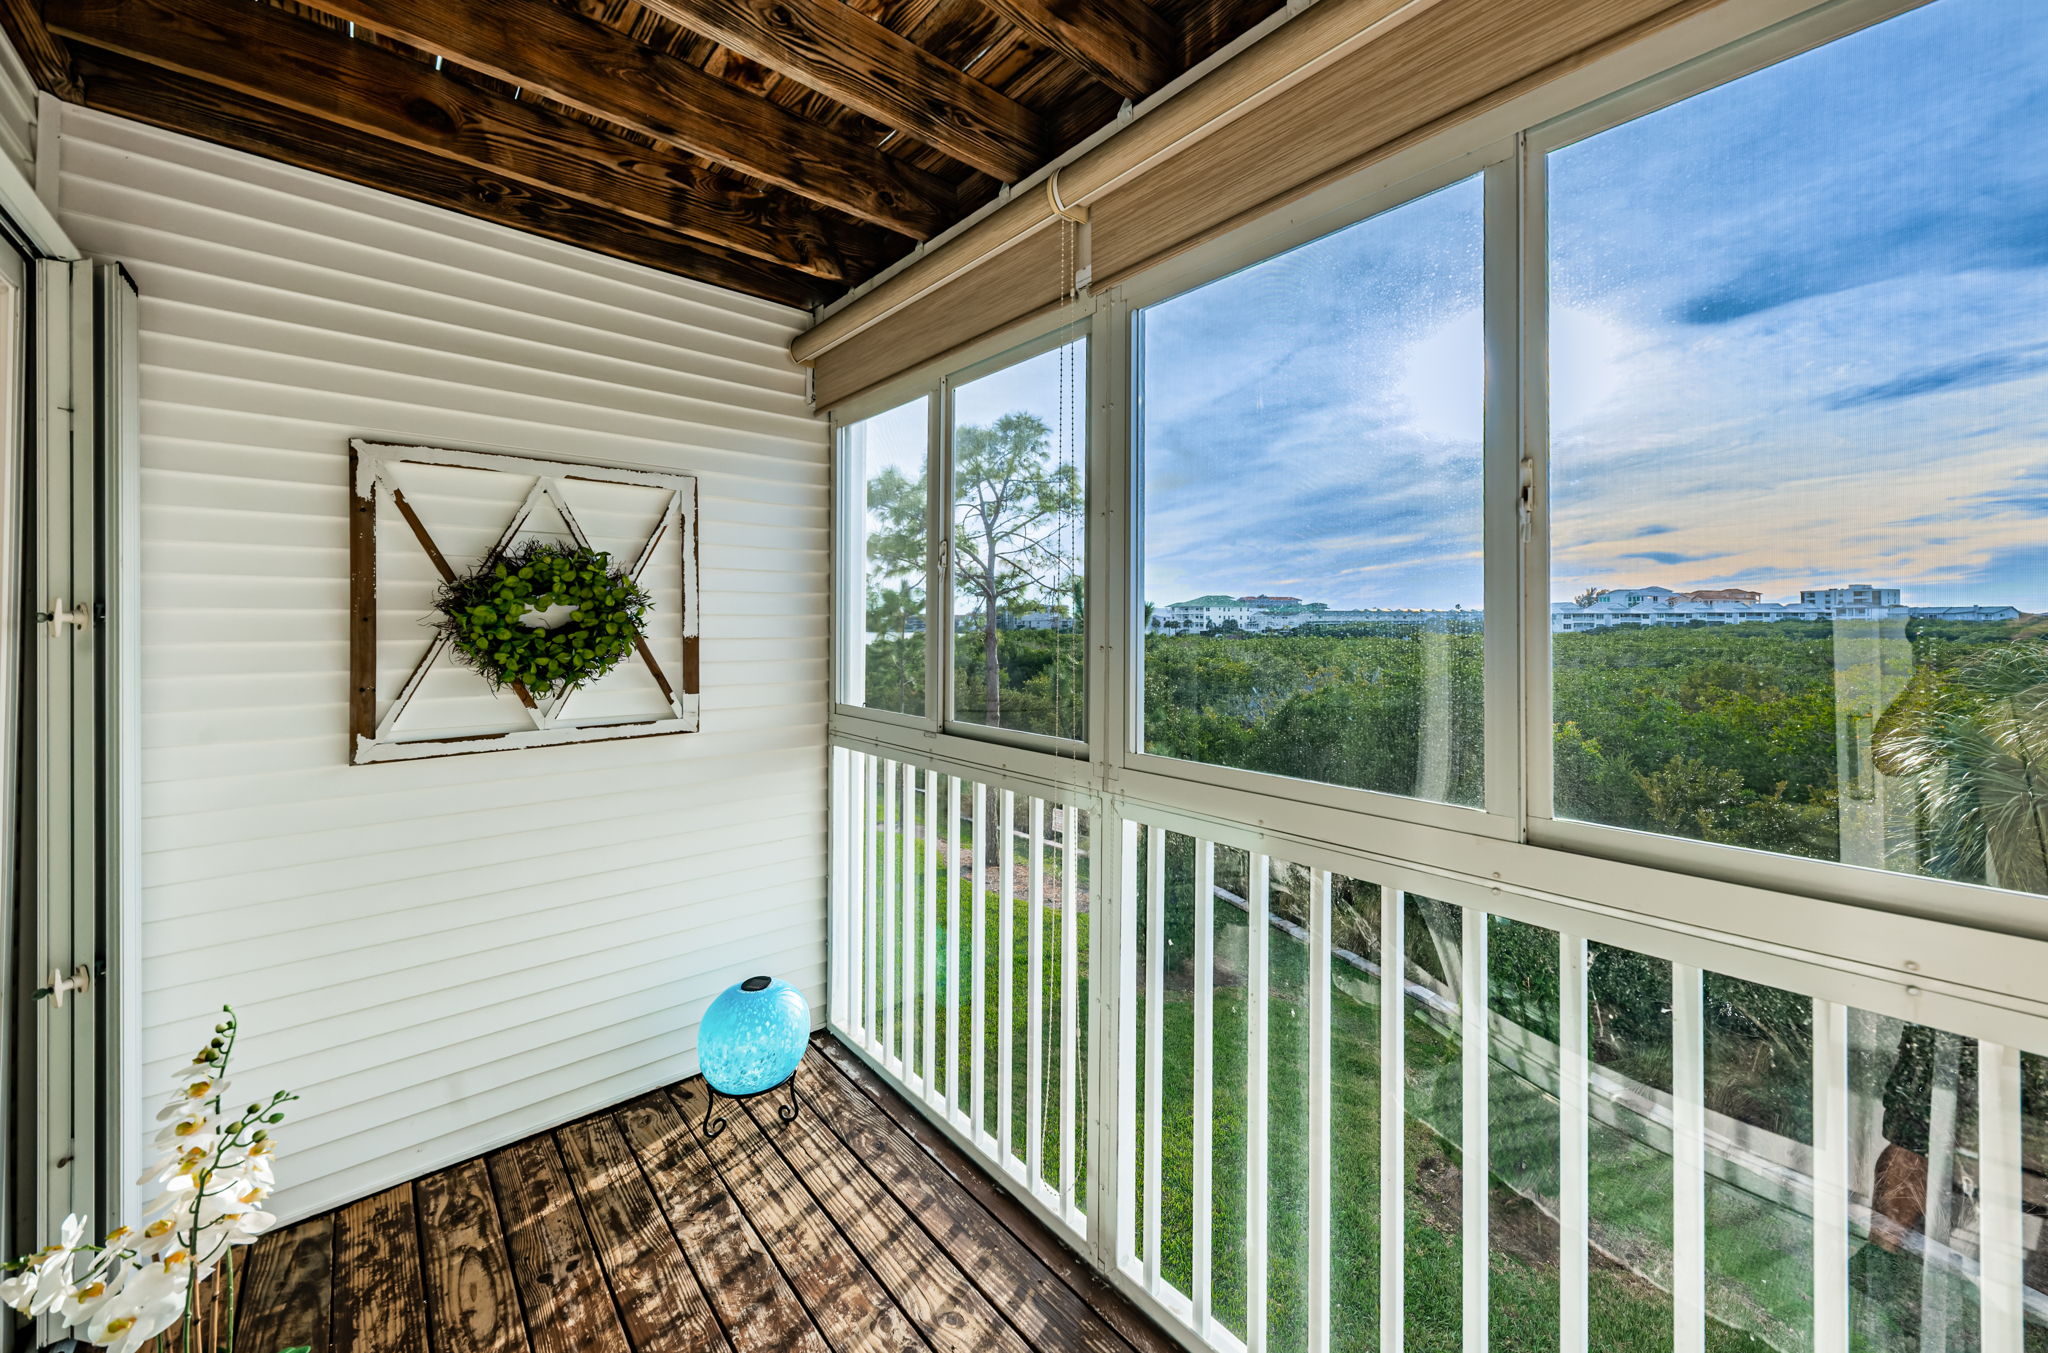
1312,557
1018,548
1799,466
886,460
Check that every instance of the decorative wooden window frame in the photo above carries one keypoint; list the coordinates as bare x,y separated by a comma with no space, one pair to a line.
377,498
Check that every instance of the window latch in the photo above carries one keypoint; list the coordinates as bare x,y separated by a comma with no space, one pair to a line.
57,617
80,981
1525,507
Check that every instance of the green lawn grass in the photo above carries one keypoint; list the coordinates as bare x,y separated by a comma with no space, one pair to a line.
1759,1276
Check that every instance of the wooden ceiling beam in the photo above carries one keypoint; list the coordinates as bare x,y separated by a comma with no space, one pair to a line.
551,50
850,58
1123,43
127,88
269,54
47,61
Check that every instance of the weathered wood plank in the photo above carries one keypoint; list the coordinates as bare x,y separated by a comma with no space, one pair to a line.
663,1308
551,49
1058,1300
855,1312
948,1309
753,1300
286,1288
120,85
471,1304
1123,43
379,1301
568,1304
832,47
272,55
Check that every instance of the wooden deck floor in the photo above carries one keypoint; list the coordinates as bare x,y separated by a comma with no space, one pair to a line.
857,1227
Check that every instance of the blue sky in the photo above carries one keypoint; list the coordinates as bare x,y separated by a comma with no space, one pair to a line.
1800,337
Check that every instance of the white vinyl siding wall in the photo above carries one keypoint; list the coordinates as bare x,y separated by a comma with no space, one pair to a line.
447,955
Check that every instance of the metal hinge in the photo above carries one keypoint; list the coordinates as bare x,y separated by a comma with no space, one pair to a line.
57,617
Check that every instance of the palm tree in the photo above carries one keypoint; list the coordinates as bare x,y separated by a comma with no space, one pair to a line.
1974,739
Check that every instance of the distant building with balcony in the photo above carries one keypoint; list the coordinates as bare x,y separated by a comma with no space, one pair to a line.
1855,594
1736,605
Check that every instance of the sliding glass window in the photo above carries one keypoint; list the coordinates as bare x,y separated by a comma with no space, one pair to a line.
1798,334
884,471
1019,439
1311,440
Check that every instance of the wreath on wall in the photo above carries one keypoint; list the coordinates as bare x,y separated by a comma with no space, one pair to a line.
544,616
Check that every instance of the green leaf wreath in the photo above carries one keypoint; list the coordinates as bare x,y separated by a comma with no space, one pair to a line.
482,614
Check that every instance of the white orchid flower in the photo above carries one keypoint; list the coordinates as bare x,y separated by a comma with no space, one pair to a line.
192,1098
48,1276
149,1303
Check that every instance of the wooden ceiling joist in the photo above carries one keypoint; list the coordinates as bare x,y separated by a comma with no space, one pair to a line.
117,84
1123,43
553,51
45,57
833,48
268,54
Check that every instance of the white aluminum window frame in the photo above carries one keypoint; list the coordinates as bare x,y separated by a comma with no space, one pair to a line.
938,727
1888,927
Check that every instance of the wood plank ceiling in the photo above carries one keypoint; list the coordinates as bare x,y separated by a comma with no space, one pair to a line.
788,149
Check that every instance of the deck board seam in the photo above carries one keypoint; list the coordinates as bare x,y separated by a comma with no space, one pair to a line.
739,1203
996,1300
914,1126
689,1261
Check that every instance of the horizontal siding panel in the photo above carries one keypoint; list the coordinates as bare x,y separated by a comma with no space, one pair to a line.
411,244
475,1035
607,1079
442,956
408,805
182,269
407,1009
245,793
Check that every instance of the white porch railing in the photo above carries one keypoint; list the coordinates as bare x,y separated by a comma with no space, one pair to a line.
1558,1130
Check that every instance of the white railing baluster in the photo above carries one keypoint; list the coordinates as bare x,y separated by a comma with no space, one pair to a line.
851,899
1258,1084
1006,1051
1070,997
871,902
1476,1143
838,919
1830,1177
1320,1184
891,782
1688,1161
1130,1190
1574,1167
1205,1079
930,964
952,947
1034,1000
2002,1283
1155,1057
977,1036
907,911
1393,1118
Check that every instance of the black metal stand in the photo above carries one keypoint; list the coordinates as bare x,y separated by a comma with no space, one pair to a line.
785,1111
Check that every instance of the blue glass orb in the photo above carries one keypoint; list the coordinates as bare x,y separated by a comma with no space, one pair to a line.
753,1036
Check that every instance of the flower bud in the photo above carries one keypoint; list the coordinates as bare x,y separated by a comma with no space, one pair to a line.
275,1118
262,1134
